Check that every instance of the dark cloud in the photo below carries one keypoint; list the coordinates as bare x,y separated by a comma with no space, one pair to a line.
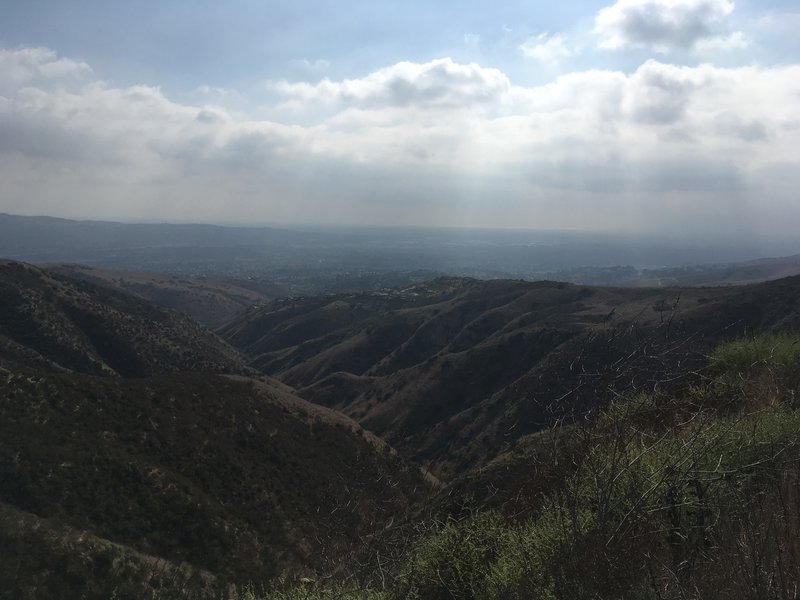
210,116
747,130
45,137
661,25
659,94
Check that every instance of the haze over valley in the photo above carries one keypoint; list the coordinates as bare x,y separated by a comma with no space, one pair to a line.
278,261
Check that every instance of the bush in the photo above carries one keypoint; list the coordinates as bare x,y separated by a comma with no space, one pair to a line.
313,592
649,513
776,355
482,557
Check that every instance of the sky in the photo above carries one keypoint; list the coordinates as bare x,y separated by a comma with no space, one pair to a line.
627,115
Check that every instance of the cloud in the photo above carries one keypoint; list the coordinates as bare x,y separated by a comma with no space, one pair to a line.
440,83
217,92
546,48
29,66
641,175
659,93
664,25
405,145
211,115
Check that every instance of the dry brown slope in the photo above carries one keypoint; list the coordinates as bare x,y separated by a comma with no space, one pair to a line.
454,378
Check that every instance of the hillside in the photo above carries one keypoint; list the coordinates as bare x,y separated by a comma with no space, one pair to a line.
53,320
454,371
142,456
686,494
134,439
237,477
740,273
209,301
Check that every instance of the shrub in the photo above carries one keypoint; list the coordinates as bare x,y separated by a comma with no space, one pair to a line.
648,513
776,355
312,592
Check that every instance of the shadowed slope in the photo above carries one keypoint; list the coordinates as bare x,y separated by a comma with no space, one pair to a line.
78,326
235,476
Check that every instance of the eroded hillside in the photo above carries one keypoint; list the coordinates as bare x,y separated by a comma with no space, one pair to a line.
453,371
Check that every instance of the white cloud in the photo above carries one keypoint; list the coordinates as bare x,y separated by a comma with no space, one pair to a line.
664,25
216,91
220,96
439,83
546,48
588,149
27,66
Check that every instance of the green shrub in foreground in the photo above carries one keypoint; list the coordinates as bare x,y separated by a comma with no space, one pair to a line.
482,557
643,512
776,355
312,592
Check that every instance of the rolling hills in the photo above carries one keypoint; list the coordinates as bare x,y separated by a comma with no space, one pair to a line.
452,371
143,454
132,426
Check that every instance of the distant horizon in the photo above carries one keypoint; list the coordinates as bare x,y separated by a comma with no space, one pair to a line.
739,248
658,236
279,225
